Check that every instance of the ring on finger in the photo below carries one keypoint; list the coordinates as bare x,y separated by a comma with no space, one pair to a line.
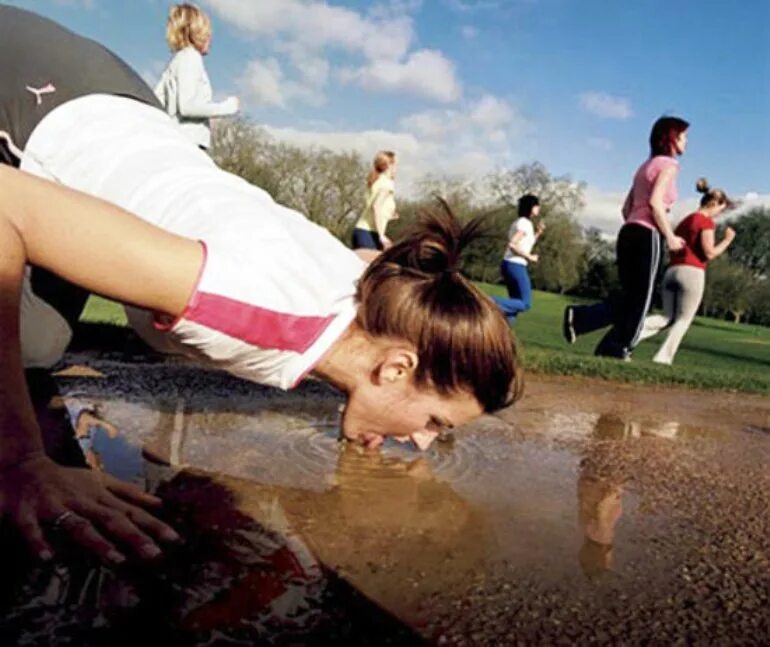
59,521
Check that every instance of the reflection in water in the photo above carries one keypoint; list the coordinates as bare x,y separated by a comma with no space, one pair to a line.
600,492
235,579
599,509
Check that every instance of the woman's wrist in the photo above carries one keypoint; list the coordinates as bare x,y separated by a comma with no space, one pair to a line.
11,462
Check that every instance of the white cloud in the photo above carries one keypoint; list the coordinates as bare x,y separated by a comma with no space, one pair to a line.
600,143
262,83
491,113
381,41
605,105
470,6
468,142
469,32
427,73
487,121
318,24
86,4
602,210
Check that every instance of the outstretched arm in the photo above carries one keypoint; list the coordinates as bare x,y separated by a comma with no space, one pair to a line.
108,251
189,103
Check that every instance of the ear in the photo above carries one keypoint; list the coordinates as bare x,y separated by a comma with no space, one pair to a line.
398,364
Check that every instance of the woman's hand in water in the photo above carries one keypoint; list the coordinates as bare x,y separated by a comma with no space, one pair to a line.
94,510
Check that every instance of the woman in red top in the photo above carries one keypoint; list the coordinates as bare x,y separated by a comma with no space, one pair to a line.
685,277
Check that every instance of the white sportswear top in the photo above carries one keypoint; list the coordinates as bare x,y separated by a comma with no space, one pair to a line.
526,243
184,90
275,290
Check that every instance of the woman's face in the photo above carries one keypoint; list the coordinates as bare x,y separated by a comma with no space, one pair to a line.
396,407
535,213
680,143
392,169
205,43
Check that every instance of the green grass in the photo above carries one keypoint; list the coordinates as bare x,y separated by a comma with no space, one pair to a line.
714,355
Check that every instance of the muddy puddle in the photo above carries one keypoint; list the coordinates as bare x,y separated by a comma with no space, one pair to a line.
589,512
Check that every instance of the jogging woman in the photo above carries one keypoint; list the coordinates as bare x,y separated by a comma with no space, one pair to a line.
639,246
184,88
685,278
522,237
124,205
380,209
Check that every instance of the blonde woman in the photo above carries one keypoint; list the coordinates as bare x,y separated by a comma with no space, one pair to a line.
380,209
184,88
685,278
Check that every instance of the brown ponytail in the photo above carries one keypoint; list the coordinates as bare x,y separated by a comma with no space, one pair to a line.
711,197
382,160
414,291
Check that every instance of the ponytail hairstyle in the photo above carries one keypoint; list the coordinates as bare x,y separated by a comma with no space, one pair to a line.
380,164
187,25
526,204
663,134
712,197
414,291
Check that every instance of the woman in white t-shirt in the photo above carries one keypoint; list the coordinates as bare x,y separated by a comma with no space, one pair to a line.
522,237
115,200
184,88
380,209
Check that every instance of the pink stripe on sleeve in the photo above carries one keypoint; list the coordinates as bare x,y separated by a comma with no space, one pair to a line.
254,325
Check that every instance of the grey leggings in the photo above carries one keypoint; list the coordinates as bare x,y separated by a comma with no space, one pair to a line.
682,293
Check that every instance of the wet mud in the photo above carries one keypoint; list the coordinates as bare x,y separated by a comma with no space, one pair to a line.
589,512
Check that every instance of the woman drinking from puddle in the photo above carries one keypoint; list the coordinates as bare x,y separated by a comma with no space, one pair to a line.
639,246
685,278
124,205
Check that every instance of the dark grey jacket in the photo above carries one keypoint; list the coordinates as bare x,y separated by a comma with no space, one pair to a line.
43,65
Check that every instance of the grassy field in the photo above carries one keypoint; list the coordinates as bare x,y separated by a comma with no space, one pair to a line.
714,354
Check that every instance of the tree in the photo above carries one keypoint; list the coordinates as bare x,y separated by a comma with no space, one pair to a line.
557,194
327,187
561,248
600,278
729,288
751,247
759,310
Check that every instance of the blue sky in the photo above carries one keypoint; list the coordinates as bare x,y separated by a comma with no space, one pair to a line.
464,87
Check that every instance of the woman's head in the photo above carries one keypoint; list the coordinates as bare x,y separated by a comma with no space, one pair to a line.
448,354
187,25
668,137
529,206
715,200
383,161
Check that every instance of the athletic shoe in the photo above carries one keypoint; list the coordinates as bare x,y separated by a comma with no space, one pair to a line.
568,325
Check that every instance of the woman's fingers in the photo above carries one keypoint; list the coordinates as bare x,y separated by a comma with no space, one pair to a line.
116,524
142,519
29,527
82,532
130,493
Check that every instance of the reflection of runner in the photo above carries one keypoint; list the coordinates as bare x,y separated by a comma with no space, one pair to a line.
638,246
600,491
685,279
518,255
415,345
87,421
